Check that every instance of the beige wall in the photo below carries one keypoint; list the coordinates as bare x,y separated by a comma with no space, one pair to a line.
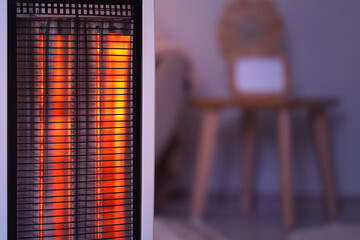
323,38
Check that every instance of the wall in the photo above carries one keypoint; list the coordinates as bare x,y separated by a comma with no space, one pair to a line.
323,40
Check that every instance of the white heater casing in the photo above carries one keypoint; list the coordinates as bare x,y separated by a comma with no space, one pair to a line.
148,122
3,120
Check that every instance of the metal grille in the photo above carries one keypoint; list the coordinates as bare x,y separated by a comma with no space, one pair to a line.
76,121
85,9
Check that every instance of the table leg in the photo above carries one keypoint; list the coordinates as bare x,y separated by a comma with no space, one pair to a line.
249,131
285,149
204,161
321,137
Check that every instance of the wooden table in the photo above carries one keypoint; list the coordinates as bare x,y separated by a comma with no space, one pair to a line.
211,108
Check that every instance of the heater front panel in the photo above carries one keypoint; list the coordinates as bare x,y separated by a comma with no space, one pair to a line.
77,121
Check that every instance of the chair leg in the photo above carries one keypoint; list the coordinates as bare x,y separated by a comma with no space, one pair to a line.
321,137
284,135
204,161
249,130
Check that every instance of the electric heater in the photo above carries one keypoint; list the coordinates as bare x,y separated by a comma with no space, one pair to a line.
80,119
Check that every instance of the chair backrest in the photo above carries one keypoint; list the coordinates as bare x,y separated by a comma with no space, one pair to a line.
249,26
260,76
250,37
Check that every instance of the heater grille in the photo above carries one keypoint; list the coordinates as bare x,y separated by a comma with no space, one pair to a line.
77,121
79,9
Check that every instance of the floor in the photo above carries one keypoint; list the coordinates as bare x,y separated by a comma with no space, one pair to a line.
223,216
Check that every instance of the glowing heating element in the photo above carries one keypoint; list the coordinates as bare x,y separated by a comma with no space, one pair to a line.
114,111
60,139
112,92
69,134
41,136
98,136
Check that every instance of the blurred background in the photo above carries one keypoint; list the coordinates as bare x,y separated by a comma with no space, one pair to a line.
321,40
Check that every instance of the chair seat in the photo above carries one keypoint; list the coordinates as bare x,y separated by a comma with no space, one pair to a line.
293,102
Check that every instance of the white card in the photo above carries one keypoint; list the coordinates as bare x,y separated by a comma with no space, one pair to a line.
260,75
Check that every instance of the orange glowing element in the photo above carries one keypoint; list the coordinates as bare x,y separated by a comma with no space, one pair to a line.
61,137
98,137
111,110
114,109
41,137
69,136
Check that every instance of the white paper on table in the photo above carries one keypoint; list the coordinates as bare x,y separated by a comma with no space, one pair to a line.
260,74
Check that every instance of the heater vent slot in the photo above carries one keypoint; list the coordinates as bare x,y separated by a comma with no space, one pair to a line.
78,9
78,87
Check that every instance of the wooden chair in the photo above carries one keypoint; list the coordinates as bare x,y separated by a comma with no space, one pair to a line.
252,66
211,108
